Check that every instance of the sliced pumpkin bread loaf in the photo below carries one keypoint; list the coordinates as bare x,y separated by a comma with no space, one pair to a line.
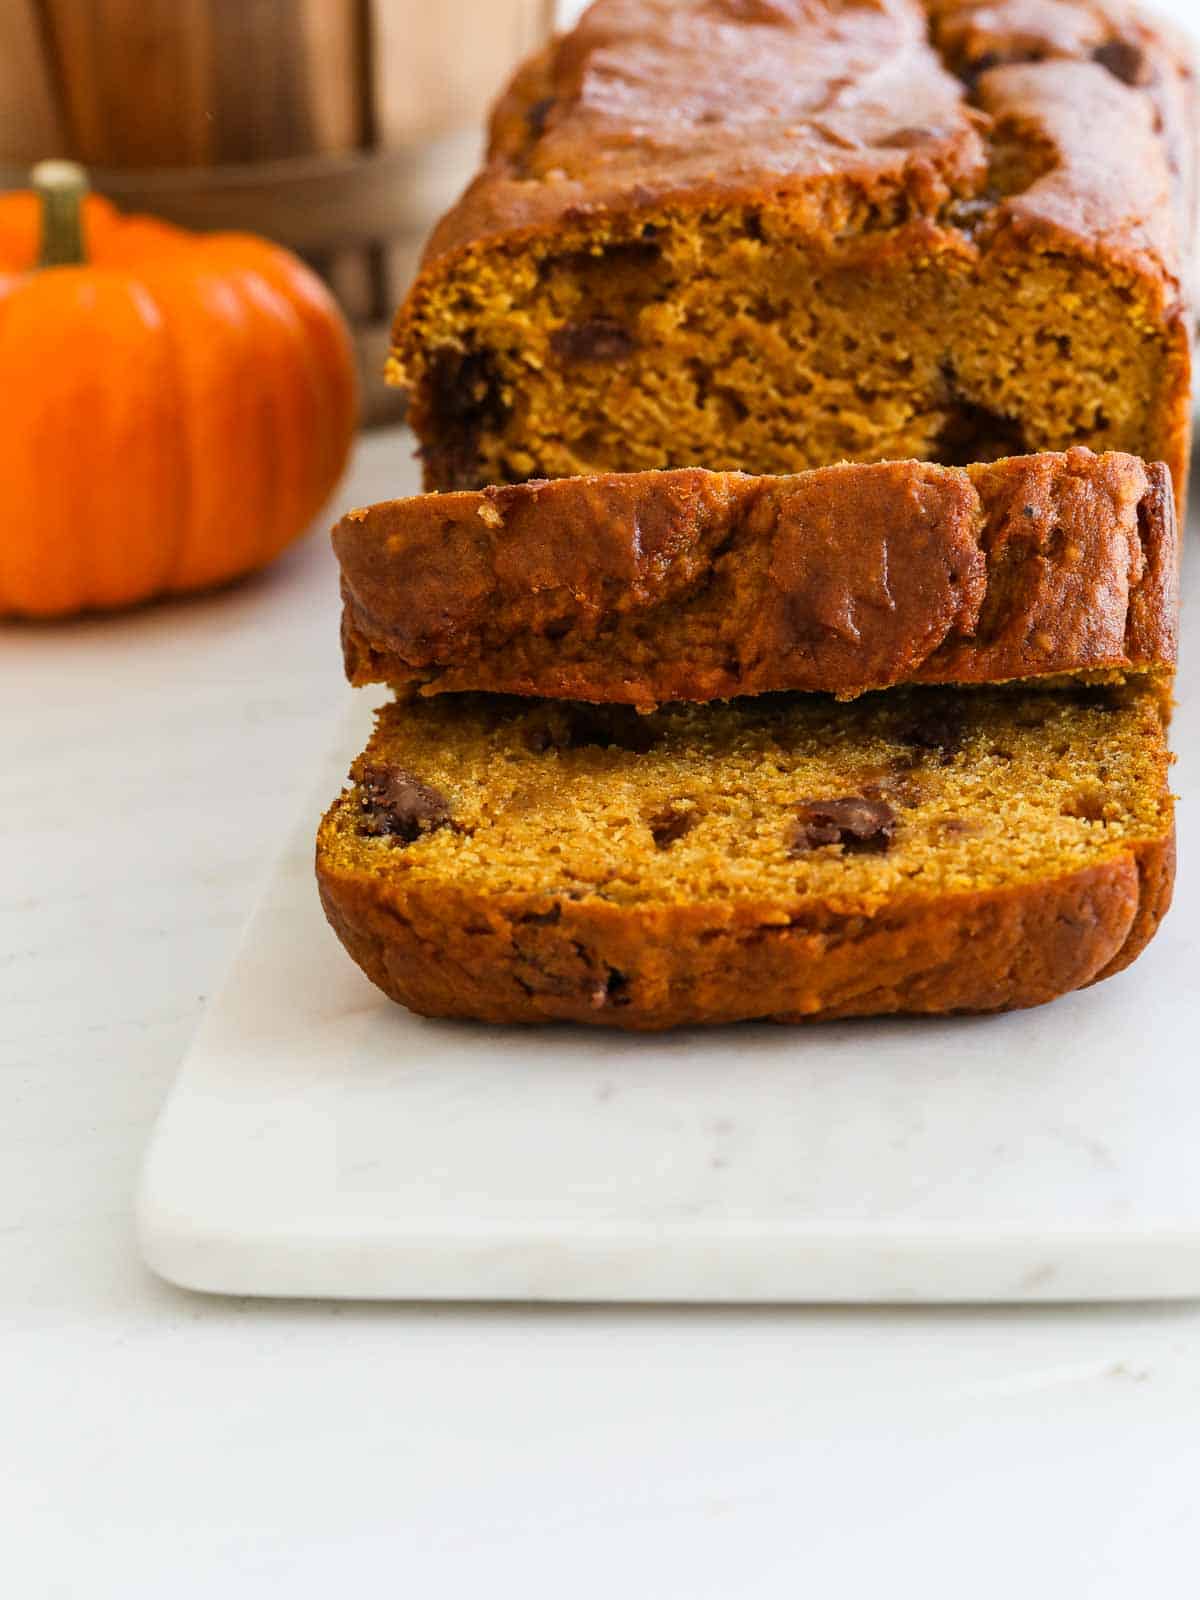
920,850
765,235
692,585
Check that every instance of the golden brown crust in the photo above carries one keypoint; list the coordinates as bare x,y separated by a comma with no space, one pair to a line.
443,955
1156,886
974,37
689,585
712,99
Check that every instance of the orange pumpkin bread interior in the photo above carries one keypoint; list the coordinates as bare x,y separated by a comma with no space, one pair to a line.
787,856
766,235
691,585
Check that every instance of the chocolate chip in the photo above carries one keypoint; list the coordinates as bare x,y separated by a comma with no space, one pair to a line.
539,738
937,728
614,991
464,402
1092,697
543,919
594,339
861,825
637,257
986,61
668,826
904,138
1124,59
395,804
535,117
463,386
573,727
970,72
974,433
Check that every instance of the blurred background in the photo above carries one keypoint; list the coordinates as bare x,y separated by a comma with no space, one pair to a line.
340,128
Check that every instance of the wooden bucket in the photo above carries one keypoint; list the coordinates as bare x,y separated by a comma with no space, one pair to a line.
340,128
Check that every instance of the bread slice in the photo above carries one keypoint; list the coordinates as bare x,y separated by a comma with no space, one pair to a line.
690,585
765,235
788,857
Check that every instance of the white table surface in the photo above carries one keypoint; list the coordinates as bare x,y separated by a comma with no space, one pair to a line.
153,1443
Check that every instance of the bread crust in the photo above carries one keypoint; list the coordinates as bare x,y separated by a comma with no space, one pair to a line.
1156,885
627,110
446,953
689,585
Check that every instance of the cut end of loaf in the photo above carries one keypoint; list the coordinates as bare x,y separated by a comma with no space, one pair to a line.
787,836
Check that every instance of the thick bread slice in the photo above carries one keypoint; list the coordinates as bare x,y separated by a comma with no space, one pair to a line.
786,857
691,585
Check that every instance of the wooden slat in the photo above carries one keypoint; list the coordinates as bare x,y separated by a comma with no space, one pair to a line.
310,204
259,103
352,277
196,83
333,41
30,127
171,83
333,36
135,79
288,77
288,81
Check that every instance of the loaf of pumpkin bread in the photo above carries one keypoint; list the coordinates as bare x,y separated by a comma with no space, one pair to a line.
692,585
766,235
920,850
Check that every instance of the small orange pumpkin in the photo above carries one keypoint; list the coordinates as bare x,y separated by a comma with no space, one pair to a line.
178,407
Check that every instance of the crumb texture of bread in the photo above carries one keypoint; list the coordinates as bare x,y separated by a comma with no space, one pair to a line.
768,235
787,856
689,585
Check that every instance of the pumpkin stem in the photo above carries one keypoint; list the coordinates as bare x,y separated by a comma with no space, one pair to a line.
61,186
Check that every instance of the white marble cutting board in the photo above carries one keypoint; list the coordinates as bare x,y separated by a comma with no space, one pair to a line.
322,1141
